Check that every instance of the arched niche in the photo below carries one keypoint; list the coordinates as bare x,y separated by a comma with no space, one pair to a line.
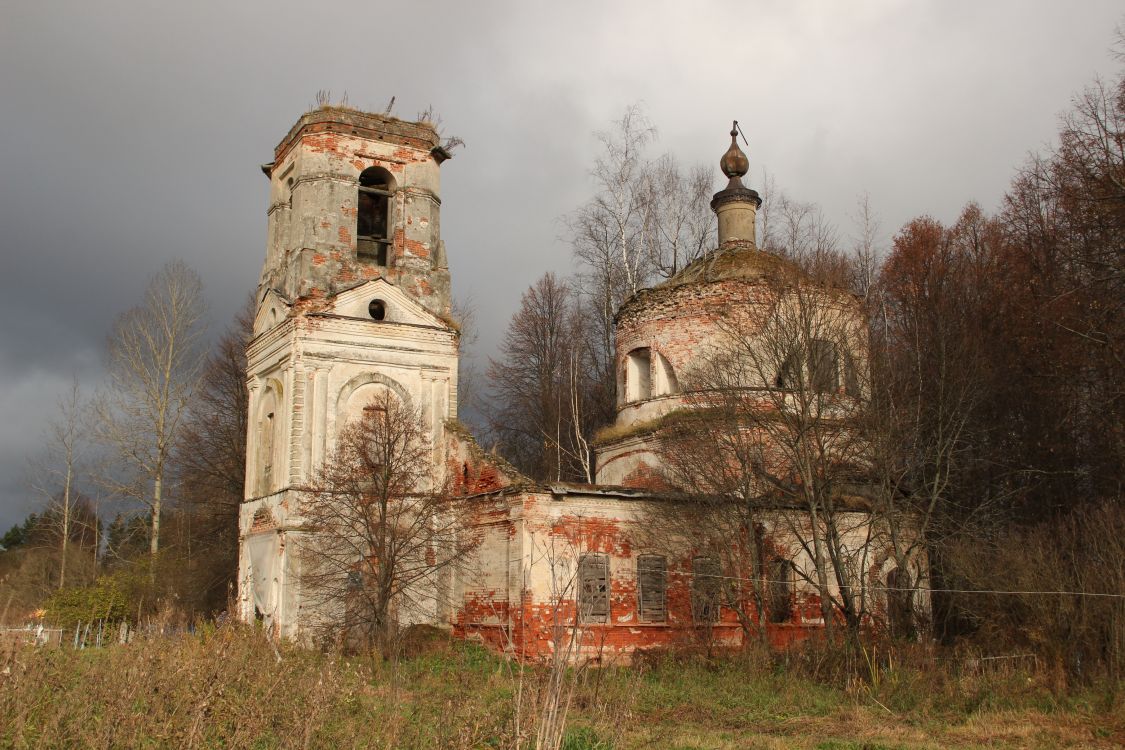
664,378
637,375
269,418
360,390
646,374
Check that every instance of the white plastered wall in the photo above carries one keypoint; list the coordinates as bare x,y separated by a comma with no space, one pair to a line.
313,373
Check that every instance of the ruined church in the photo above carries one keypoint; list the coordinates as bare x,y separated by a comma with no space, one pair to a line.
354,302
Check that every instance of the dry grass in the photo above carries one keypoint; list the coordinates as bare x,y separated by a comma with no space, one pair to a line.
225,688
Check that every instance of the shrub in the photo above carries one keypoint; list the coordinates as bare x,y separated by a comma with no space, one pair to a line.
106,599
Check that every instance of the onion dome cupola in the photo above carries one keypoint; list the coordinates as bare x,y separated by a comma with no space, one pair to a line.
736,205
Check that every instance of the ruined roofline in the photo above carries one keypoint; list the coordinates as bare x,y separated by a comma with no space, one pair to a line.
617,491
518,479
855,497
346,121
851,497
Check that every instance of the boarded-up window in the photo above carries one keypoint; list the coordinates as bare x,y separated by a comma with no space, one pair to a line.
706,580
652,575
593,588
780,588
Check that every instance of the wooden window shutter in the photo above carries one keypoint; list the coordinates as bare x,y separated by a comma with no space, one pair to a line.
705,582
593,588
651,586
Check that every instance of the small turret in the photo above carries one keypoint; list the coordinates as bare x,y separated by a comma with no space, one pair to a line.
736,205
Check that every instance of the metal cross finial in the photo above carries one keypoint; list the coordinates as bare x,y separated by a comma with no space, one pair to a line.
736,129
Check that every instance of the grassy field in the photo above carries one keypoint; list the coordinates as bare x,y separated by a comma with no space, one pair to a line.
226,688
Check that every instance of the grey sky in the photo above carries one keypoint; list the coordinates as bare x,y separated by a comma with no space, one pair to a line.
131,133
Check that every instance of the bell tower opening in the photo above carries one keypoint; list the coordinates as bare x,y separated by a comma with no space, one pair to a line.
373,215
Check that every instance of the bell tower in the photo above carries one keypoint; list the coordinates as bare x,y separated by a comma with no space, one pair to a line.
353,197
353,301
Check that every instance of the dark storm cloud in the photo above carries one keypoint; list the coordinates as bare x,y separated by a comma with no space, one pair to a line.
132,132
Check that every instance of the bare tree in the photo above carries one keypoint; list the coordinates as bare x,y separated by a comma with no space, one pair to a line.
680,226
801,233
545,396
776,400
154,361
56,474
866,257
379,535
608,231
648,219
210,462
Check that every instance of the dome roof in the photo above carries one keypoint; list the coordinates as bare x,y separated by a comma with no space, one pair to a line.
736,260
739,261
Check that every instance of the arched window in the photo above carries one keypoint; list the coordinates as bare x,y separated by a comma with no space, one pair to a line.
821,367
370,399
268,439
664,376
268,427
780,585
824,367
638,375
789,374
851,376
373,220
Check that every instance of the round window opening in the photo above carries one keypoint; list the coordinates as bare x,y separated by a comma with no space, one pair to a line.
377,309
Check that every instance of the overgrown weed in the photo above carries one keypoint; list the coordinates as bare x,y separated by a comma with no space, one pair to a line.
223,687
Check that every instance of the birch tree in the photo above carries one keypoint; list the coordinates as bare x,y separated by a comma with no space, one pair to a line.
648,218
56,474
154,359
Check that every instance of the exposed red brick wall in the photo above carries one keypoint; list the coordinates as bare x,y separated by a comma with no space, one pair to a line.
534,624
472,471
679,321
